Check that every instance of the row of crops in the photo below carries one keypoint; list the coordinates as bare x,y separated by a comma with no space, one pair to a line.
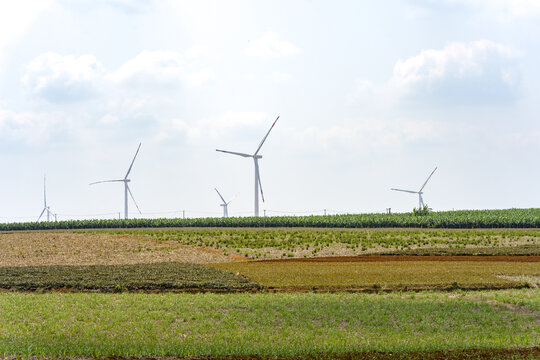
464,219
270,243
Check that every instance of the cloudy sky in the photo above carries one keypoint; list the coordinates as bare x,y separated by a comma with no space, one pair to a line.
371,95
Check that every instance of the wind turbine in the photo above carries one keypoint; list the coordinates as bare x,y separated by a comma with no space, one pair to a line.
419,192
125,180
256,158
225,204
45,207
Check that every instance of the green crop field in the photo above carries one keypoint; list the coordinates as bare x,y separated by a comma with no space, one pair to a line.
258,324
308,242
472,219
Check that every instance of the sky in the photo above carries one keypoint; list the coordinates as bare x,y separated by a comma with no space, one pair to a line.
371,95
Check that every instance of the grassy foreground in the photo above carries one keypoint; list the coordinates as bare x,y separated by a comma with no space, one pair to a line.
131,324
159,276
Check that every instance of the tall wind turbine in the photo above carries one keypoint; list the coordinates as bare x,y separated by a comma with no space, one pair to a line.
127,190
45,207
419,192
225,204
256,158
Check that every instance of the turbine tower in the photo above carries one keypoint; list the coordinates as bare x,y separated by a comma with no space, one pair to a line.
127,190
225,204
256,158
419,192
45,207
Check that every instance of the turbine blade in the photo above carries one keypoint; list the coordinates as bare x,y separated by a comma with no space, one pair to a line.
132,198
262,142
40,215
429,177
260,187
409,191
132,161
104,181
220,196
234,153
235,196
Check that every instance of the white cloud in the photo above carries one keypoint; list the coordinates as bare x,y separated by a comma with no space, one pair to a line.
199,77
64,78
159,68
370,134
502,10
28,127
508,9
269,46
15,18
59,78
211,127
151,67
280,77
109,119
234,119
475,72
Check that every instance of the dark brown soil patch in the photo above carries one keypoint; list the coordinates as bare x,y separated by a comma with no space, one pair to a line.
385,258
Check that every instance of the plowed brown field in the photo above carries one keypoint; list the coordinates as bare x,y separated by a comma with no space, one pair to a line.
36,248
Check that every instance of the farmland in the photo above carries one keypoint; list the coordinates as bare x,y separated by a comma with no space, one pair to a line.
305,242
271,292
110,278
390,274
67,248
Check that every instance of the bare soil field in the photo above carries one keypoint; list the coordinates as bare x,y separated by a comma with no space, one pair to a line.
37,248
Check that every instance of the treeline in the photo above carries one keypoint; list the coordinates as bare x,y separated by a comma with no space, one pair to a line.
465,219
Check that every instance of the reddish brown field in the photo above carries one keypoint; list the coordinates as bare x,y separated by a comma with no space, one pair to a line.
386,258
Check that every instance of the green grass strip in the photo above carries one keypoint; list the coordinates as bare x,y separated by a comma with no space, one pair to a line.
134,324
157,276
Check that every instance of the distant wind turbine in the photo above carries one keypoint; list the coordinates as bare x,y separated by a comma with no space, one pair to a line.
127,190
419,192
256,158
225,204
45,207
